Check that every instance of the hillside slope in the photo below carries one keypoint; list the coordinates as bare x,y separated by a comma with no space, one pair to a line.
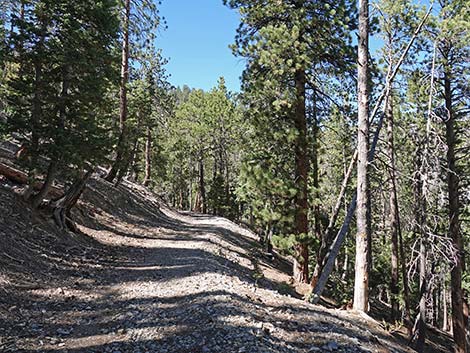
141,277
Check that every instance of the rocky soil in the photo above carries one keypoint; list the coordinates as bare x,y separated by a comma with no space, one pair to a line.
141,277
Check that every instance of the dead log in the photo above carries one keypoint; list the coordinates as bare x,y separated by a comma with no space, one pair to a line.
19,177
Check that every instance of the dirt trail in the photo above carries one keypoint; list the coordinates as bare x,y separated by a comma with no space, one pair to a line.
144,278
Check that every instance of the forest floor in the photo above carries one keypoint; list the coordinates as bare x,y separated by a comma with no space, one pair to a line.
141,277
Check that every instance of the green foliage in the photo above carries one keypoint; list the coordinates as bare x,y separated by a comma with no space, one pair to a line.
279,39
56,95
205,130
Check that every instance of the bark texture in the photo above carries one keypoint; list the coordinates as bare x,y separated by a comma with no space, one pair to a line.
361,281
301,173
393,221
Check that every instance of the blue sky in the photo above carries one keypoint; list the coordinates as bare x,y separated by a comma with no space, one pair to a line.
196,43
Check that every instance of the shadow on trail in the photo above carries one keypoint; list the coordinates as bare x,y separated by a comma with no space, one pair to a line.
204,319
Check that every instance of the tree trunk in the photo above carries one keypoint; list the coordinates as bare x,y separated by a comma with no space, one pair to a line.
445,318
122,96
126,161
190,188
344,275
361,280
315,172
458,325
63,206
36,114
300,270
420,342
336,245
202,187
148,161
419,329
338,241
328,235
227,186
404,276
393,210
37,199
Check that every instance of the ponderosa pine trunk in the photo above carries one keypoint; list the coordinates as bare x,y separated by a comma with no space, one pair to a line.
122,145
458,324
315,172
361,280
300,270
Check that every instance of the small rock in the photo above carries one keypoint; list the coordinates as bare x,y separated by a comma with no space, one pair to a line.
331,346
64,332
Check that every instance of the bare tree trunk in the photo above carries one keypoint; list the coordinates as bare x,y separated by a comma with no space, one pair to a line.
362,268
458,325
300,270
117,164
445,318
406,291
393,210
148,160
420,342
327,237
338,241
345,265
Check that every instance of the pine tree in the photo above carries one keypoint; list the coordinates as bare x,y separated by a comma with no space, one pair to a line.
56,97
284,41
139,23
453,48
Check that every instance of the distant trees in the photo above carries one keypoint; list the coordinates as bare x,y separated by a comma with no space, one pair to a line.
202,143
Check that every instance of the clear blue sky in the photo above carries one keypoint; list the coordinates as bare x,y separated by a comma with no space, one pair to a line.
196,43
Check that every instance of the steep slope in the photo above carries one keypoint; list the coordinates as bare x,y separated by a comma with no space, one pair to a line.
141,277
